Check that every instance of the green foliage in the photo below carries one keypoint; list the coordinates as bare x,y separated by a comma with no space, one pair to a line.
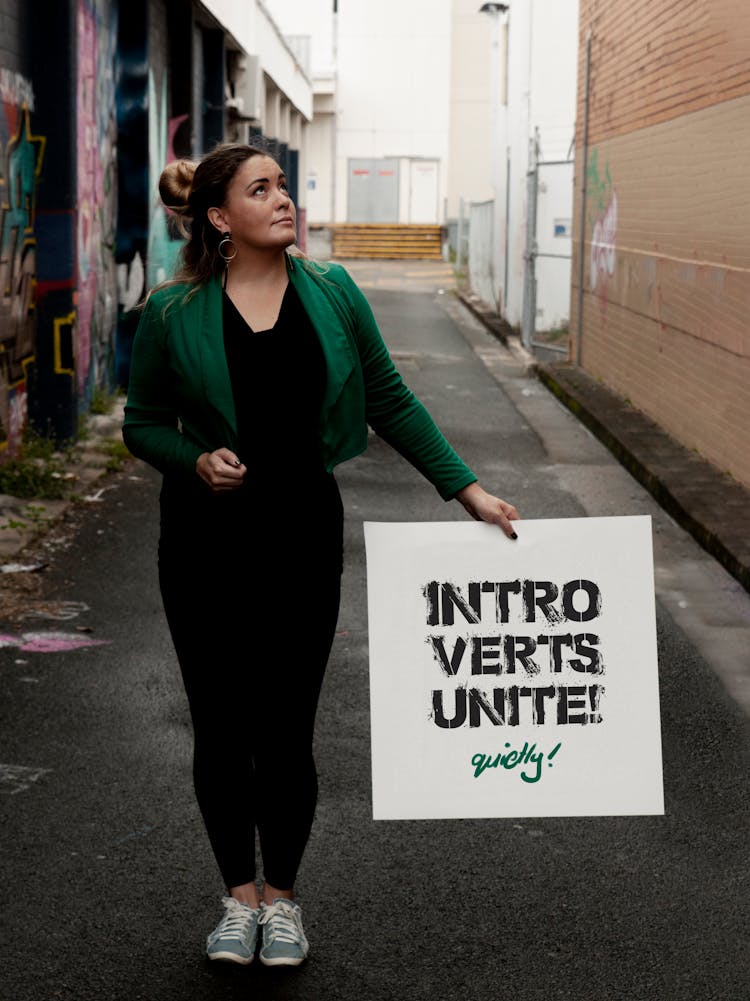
35,513
102,400
32,516
36,446
36,471
32,477
14,523
117,453
555,335
84,433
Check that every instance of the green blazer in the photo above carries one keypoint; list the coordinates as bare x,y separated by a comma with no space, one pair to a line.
180,401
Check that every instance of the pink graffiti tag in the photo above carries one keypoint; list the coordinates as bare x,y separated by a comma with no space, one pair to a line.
17,412
52,642
603,246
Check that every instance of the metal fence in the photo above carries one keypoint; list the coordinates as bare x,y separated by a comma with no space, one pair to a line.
543,200
475,232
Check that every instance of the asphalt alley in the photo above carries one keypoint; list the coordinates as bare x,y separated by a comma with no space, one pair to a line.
109,885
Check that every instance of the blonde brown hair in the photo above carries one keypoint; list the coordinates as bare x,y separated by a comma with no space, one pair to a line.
189,190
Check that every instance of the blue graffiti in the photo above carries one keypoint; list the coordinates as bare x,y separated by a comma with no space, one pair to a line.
163,249
23,162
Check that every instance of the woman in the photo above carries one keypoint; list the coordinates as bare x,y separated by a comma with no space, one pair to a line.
253,374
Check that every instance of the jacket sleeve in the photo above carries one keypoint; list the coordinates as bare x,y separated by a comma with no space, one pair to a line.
395,413
151,429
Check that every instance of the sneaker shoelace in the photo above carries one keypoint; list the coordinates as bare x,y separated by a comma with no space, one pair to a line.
237,920
283,922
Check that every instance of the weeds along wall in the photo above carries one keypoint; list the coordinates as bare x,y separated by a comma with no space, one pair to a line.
666,285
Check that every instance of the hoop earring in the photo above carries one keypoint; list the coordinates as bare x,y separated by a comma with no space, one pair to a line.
226,238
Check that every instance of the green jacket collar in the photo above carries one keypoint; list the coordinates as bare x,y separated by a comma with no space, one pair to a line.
329,313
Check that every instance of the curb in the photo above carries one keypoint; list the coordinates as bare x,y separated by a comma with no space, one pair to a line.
690,489
494,323
499,329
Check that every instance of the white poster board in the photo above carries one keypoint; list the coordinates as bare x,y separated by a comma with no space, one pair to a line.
513,678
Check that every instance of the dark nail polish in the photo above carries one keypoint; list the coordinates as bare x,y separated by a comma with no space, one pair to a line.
513,535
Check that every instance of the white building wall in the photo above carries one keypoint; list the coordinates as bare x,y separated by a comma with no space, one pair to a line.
554,42
518,137
470,116
251,25
387,69
319,175
393,87
314,19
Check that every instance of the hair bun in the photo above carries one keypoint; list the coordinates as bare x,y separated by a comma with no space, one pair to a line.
175,184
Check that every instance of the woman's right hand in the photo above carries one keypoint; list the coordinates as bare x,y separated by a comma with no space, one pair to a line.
221,470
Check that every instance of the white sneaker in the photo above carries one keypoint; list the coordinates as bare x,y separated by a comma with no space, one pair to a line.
235,936
284,942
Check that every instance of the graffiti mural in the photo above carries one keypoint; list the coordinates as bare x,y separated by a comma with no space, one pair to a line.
603,220
132,193
21,157
163,243
149,138
97,196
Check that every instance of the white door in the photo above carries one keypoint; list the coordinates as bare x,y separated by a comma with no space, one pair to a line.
424,190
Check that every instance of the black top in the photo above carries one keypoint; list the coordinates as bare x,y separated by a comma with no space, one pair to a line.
288,511
278,381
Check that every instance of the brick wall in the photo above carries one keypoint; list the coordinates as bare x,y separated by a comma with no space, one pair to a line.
654,60
666,254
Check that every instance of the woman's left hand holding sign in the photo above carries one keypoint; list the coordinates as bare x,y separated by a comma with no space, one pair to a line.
221,470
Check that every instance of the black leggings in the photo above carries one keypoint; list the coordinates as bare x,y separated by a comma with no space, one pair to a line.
252,624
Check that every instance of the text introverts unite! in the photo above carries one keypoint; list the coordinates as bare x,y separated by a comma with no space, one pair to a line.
564,658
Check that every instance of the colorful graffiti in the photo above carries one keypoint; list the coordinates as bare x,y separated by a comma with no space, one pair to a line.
149,138
163,246
97,195
603,220
132,188
21,156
